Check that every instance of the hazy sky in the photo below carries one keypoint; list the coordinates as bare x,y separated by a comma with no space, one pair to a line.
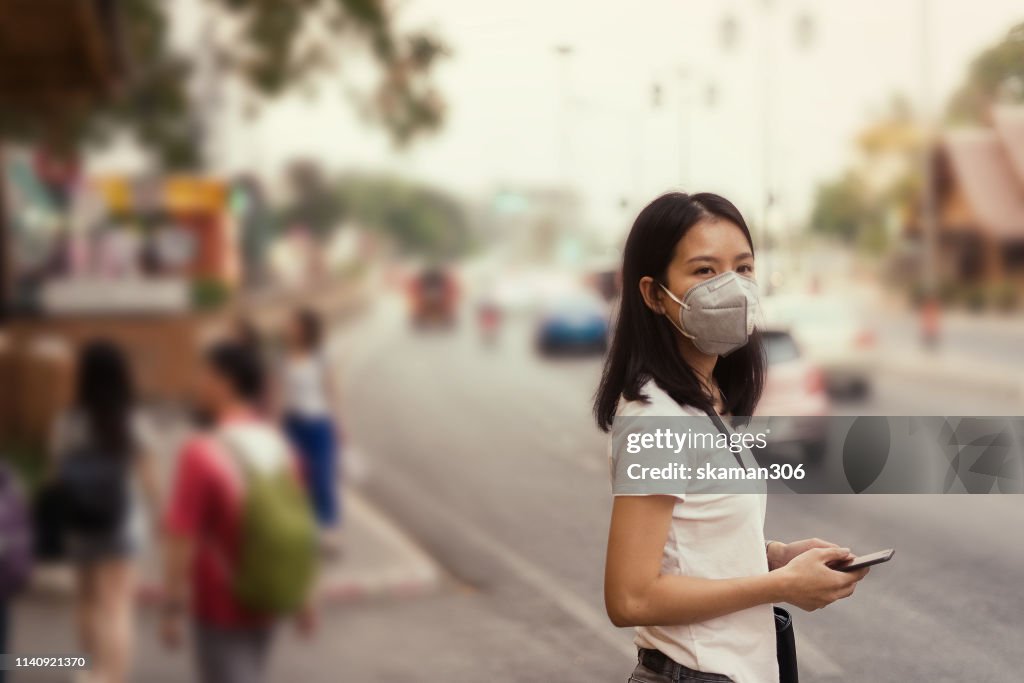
519,116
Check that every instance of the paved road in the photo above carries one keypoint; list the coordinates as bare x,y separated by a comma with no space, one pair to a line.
992,338
490,459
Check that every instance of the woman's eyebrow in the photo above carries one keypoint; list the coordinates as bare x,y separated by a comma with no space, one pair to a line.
744,255
712,259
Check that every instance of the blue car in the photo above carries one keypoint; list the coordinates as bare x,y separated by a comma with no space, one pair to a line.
576,323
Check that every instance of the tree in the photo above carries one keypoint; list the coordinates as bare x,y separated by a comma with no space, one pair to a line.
273,46
841,208
995,75
420,219
315,201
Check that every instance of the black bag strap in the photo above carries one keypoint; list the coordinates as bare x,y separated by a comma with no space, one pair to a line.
723,429
785,646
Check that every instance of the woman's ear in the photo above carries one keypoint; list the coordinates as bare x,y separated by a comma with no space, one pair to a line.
651,293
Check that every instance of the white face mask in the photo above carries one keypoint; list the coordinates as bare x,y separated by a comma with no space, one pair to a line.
718,314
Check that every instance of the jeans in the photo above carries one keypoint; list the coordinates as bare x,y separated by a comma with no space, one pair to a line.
232,655
654,667
316,441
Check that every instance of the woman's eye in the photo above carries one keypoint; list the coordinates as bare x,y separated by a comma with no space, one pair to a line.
706,270
745,268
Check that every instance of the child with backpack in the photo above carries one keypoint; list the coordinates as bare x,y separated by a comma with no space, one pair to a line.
241,539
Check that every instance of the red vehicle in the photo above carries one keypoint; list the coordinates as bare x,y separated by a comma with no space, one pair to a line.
433,298
489,319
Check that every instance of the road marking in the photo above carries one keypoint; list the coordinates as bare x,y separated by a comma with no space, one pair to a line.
584,614
812,658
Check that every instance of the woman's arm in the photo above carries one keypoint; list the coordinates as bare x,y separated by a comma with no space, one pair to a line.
149,482
638,594
330,383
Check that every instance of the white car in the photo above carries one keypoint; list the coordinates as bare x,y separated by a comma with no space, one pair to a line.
833,334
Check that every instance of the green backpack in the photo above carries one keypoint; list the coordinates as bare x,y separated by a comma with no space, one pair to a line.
277,551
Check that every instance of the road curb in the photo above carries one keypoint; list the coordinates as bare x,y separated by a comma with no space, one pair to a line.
987,377
410,571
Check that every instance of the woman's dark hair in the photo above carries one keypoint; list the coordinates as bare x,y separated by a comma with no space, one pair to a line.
105,395
310,329
240,366
644,344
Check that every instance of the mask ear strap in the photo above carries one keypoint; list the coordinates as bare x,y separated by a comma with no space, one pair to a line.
685,306
672,296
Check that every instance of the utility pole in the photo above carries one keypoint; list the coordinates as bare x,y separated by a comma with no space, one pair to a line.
766,122
564,53
683,105
928,218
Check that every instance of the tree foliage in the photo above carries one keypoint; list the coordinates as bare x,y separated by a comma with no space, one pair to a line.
995,75
420,219
842,209
271,47
315,201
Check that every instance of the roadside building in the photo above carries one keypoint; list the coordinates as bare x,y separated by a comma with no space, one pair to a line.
979,182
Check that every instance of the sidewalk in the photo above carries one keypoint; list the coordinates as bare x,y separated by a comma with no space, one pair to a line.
377,560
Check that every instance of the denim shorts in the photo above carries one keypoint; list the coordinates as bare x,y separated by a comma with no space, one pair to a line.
655,667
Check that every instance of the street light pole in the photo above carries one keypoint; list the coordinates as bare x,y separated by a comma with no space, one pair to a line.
564,53
683,104
766,132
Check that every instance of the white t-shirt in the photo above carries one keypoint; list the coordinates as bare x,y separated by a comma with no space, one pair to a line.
305,386
714,536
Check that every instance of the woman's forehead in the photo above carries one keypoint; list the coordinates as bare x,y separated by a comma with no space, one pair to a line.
714,237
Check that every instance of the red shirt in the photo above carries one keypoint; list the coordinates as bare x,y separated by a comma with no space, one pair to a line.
206,505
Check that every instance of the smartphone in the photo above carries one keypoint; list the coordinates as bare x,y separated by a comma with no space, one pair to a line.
864,561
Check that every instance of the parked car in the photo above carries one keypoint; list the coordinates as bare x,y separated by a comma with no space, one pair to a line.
833,333
433,298
795,398
573,322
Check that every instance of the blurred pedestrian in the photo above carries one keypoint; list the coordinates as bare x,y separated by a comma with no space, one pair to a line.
240,536
102,460
245,332
309,409
693,573
931,319
15,547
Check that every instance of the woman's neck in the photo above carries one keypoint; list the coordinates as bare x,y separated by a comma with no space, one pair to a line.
702,364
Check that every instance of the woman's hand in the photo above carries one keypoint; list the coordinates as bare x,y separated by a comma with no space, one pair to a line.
809,583
780,554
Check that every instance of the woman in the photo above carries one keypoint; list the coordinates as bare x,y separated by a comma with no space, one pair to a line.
99,450
309,405
693,572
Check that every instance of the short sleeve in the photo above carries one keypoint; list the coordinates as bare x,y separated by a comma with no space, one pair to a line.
640,463
188,493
